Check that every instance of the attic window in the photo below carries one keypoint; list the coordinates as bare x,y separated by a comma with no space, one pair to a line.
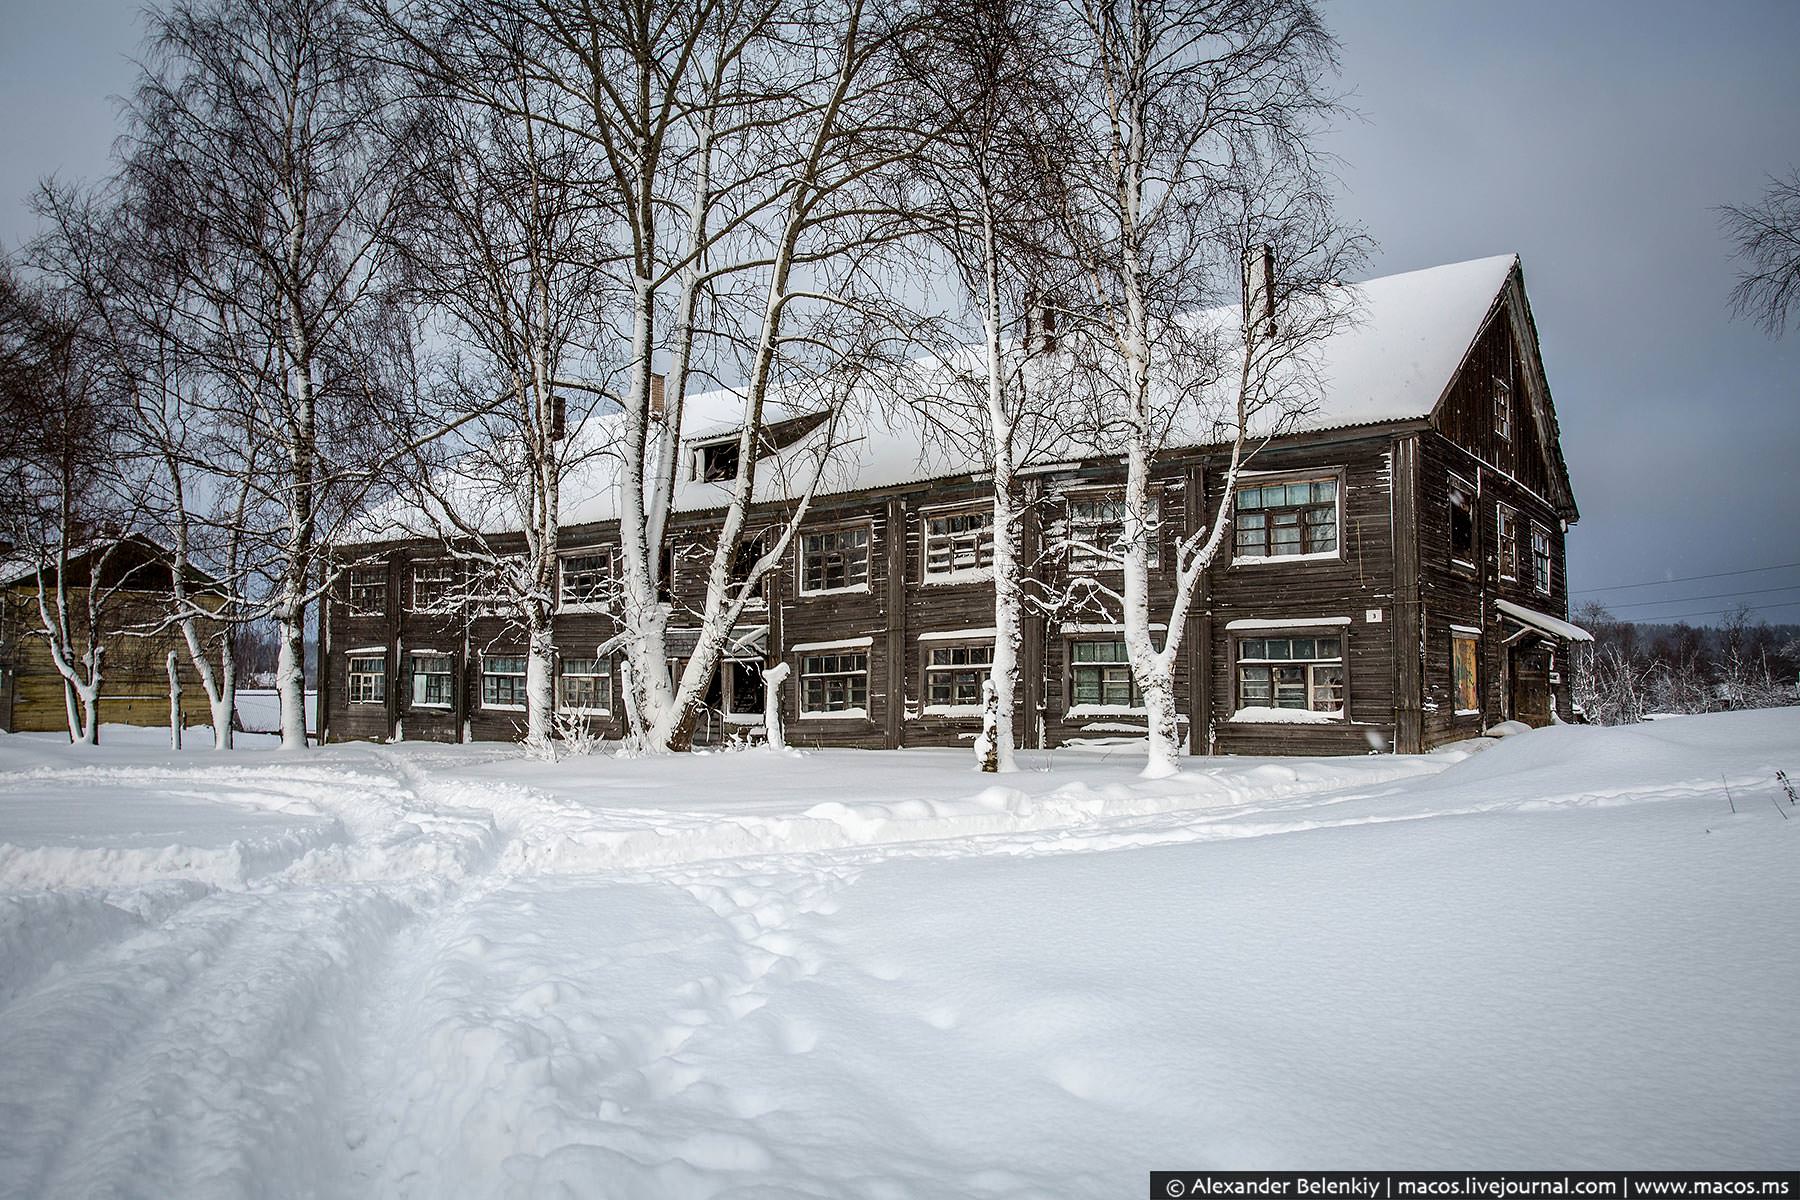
718,462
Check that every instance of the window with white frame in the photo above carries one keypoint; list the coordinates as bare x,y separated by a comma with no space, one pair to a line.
834,560
958,543
431,585
1278,520
368,678
585,578
1540,558
1503,413
1100,674
835,682
954,671
1098,534
584,685
432,679
1301,671
1506,534
368,591
503,681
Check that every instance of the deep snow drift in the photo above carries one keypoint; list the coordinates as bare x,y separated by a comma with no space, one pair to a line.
450,971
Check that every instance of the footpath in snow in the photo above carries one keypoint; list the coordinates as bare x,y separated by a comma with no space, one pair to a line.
453,971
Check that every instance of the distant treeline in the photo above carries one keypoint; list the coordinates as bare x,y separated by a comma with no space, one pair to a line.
1637,669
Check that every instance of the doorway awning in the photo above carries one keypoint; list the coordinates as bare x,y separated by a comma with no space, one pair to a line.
1531,618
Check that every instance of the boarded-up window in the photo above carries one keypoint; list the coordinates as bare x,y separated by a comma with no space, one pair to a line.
1463,660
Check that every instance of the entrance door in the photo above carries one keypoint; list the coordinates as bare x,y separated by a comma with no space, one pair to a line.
1529,669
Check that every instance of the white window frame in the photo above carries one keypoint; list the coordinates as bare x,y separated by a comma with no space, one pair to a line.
728,669
1086,555
1332,475
1311,665
983,569
1134,701
448,673
949,648
866,528
351,585
563,603
603,670
358,679
1506,537
521,675
1540,579
426,570
1503,410
838,657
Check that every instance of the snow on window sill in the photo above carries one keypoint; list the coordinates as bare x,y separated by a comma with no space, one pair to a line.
1263,560
861,589
502,707
417,704
970,575
370,703
1463,563
581,606
842,714
743,719
1257,715
1106,710
1468,712
951,710
581,712
361,612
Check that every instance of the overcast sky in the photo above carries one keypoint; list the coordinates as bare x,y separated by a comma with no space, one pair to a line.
1592,138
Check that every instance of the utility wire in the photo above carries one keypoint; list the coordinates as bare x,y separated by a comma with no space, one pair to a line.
1620,587
1667,617
1714,596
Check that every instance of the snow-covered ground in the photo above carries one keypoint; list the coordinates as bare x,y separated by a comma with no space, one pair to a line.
453,971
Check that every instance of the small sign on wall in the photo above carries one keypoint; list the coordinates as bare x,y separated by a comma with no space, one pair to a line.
1372,615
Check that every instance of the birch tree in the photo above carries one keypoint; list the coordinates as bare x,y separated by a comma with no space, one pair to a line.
737,143
502,250
982,71
267,118
1187,146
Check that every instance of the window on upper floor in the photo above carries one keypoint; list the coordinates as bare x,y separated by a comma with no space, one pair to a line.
1503,409
432,583
748,553
834,560
959,545
1462,522
1506,538
1098,533
1300,672
584,578
716,462
1287,519
367,591
1540,558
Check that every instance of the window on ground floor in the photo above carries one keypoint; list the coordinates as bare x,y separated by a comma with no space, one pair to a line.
1100,673
368,679
432,678
584,685
503,681
1300,672
835,682
953,673
1464,659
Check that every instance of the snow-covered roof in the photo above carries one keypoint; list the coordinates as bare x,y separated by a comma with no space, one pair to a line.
1544,622
1391,359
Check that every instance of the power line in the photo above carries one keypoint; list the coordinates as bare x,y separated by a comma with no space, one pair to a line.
1667,617
1620,587
1714,596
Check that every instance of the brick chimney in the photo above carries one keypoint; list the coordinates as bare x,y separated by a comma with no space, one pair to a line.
656,396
